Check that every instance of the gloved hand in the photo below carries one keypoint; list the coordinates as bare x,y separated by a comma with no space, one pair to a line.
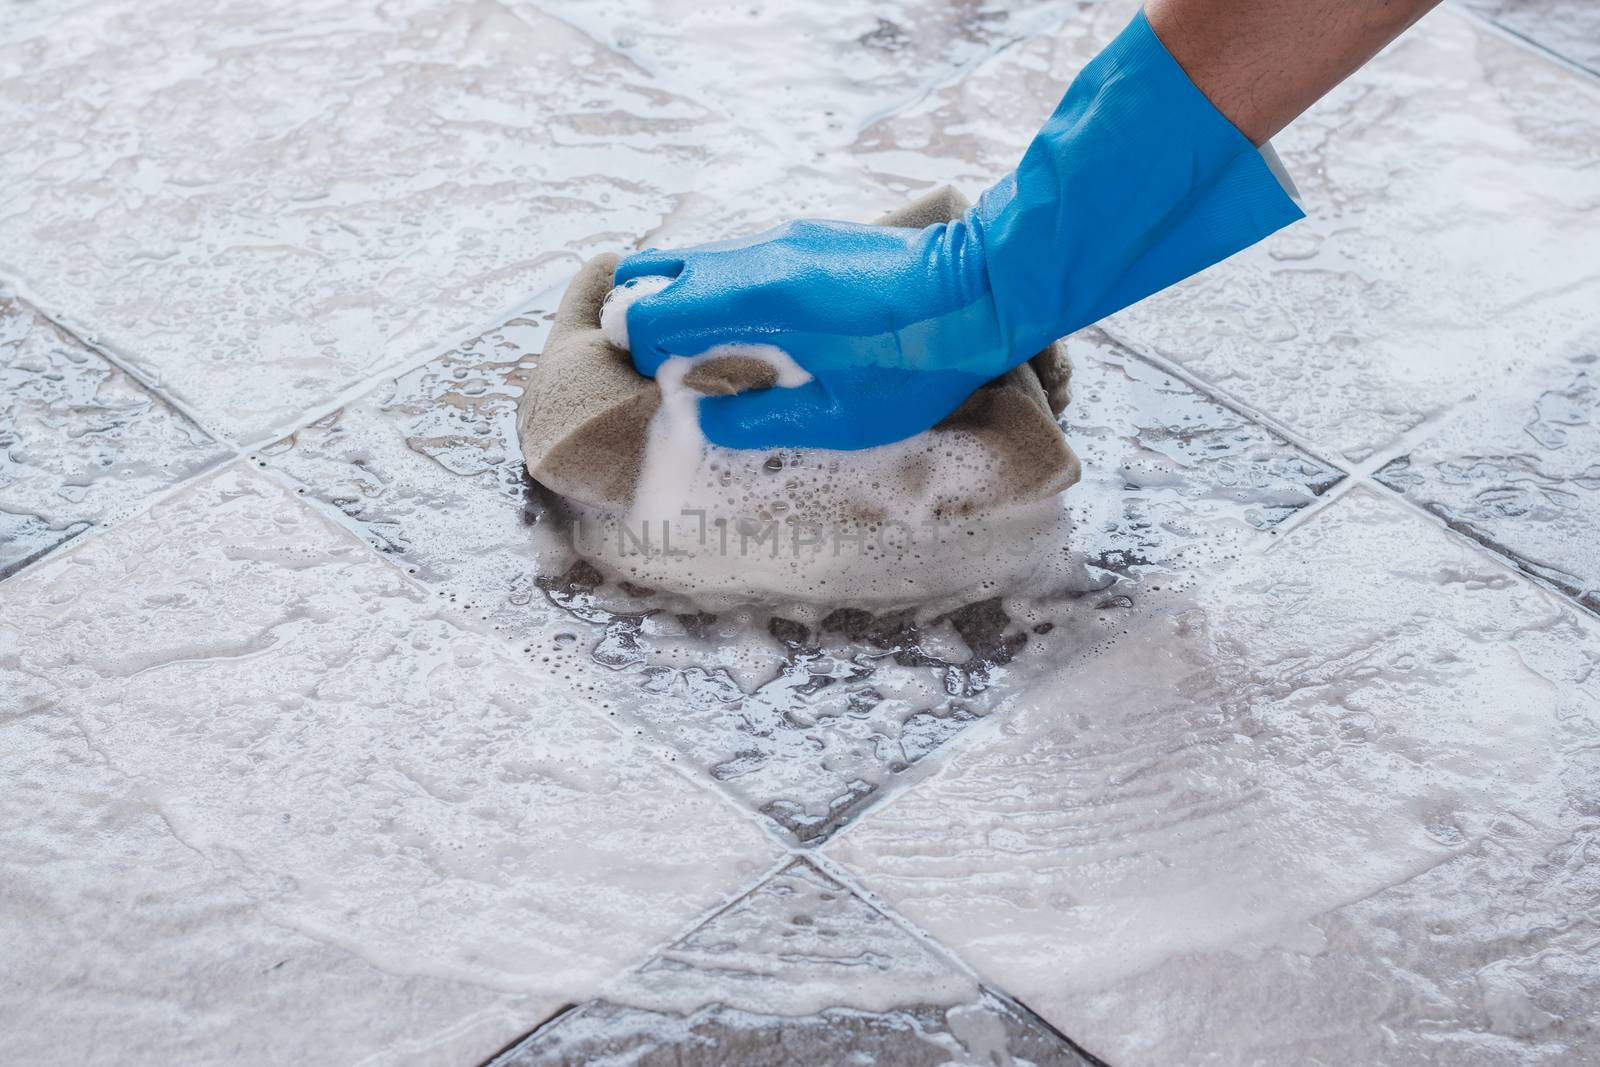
1134,183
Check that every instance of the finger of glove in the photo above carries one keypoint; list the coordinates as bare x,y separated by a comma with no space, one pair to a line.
651,262
668,323
806,416
846,410
651,319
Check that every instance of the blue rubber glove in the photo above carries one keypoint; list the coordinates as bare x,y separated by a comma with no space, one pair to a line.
1134,183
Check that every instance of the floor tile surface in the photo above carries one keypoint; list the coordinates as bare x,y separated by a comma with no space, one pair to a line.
326,742
799,970
81,443
1248,831
353,759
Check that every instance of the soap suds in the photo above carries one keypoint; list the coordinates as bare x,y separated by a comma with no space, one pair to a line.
870,525
614,312
676,446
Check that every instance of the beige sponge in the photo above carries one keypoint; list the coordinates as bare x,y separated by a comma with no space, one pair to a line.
584,418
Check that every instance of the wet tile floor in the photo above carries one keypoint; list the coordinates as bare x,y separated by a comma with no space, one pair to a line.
322,744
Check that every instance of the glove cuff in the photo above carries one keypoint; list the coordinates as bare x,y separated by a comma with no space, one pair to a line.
1135,182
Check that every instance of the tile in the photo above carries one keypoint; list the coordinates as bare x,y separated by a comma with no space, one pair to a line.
798,717
970,131
809,73
1332,809
802,711
354,765
121,944
259,207
80,442
801,970
1520,473
1454,204
1569,28
1175,483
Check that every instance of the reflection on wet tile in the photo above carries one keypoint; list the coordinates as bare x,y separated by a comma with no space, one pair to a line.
121,944
350,757
79,441
816,71
1451,191
1521,473
971,131
1569,28
260,206
1352,756
803,964
802,711
1175,483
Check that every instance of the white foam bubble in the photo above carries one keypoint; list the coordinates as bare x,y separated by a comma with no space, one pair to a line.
614,312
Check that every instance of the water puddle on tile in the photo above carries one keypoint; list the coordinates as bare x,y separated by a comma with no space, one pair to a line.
802,710
81,443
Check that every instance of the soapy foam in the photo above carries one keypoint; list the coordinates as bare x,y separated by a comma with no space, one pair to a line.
614,312
676,446
876,525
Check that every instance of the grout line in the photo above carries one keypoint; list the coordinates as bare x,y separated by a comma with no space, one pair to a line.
1046,20
135,511
236,451
1285,529
1504,559
356,390
150,385
1585,74
647,736
732,897
1215,393
847,876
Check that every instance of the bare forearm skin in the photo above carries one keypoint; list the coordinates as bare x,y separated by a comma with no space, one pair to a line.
1263,62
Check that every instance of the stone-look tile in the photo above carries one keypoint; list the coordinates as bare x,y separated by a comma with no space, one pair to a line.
800,718
121,944
969,132
1520,472
258,207
1334,810
1569,28
802,711
1453,204
352,765
801,970
810,72
80,442
1175,483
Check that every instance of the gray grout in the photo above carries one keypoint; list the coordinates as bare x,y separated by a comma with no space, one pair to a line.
1529,44
1238,406
372,382
135,511
150,385
659,747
